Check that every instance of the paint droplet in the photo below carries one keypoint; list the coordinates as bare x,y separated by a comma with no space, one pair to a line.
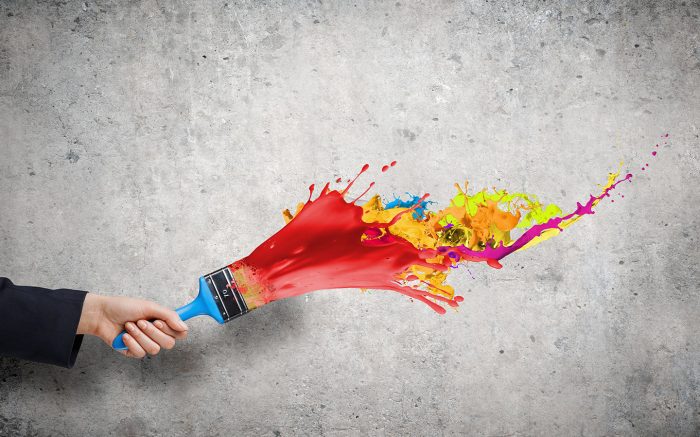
386,167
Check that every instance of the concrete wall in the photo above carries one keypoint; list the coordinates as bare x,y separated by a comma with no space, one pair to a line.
145,143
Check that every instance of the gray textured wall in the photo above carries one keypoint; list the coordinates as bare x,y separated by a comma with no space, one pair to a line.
143,144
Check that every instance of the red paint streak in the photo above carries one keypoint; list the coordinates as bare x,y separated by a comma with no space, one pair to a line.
327,245
365,192
364,169
337,181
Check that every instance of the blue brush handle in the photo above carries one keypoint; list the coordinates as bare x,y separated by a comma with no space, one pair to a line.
202,305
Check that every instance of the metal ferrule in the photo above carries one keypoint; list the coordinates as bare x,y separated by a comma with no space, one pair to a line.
226,294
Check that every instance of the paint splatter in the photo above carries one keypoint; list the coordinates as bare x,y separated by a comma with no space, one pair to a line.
332,242
386,167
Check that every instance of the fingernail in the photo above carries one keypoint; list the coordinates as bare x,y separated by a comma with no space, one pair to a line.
182,325
126,337
130,326
142,324
158,324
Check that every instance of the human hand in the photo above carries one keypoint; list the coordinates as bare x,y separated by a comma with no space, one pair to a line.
106,316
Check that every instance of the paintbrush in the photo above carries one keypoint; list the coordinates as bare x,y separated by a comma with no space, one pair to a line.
219,298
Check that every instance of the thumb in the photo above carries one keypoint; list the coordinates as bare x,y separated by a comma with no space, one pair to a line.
167,315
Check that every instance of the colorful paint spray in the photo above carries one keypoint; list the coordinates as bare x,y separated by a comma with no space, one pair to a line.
332,242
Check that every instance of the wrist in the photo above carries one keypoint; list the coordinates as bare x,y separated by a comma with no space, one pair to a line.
90,315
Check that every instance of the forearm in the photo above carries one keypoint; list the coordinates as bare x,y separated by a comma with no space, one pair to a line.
39,324
92,313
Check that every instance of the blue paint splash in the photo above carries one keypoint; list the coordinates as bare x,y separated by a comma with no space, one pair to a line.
418,213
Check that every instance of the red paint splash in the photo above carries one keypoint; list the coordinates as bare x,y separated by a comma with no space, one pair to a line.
328,245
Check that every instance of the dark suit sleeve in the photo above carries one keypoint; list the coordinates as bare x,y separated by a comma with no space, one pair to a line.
40,325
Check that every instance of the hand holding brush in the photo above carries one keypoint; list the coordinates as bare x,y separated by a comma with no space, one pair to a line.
149,327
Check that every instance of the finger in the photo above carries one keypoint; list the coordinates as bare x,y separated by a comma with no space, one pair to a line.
179,335
135,349
164,340
127,353
150,346
169,316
